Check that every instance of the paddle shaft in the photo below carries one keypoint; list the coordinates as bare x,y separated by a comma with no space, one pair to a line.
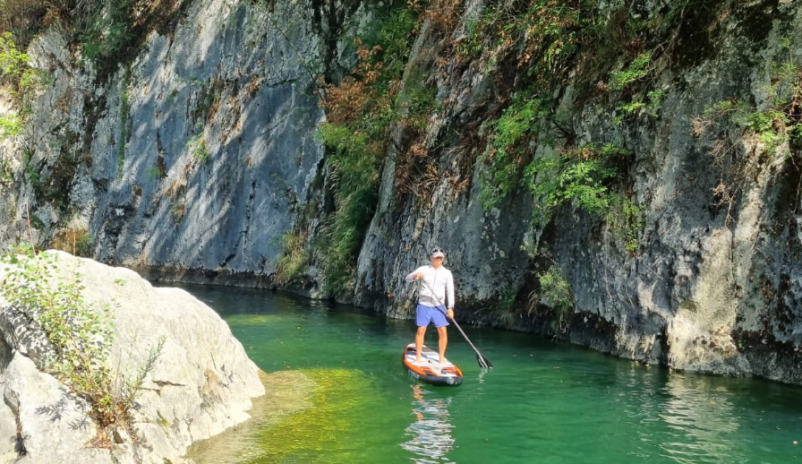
482,359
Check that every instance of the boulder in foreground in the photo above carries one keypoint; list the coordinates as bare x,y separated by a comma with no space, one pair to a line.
192,379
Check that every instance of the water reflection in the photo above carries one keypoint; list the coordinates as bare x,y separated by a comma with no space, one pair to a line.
700,421
429,435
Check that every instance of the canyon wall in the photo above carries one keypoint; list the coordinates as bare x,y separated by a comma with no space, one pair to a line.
199,157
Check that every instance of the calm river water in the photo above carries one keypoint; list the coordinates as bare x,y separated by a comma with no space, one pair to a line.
544,402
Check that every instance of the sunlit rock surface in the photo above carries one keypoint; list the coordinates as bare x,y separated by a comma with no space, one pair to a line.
201,384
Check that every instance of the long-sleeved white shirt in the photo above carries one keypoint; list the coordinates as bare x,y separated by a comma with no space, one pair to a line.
440,280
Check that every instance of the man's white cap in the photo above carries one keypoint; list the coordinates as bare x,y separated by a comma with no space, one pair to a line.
438,253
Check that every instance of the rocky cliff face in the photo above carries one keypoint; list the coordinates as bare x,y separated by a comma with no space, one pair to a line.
201,383
192,157
200,156
712,285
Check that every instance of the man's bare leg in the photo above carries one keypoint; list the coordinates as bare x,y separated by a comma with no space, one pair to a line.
419,342
443,333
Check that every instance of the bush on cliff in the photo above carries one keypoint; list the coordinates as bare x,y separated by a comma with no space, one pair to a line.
21,79
360,111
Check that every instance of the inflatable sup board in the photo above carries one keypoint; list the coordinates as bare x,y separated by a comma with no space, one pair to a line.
429,369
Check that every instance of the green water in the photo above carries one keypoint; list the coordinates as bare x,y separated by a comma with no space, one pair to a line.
544,402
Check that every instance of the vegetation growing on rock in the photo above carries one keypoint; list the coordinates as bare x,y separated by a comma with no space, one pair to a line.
361,110
21,79
78,337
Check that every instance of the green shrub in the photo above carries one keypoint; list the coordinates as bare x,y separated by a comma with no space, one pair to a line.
795,136
23,80
777,124
506,300
10,126
198,150
555,293
6,173
360,111
15,68
770,126
547,42
294,260
503,156
153,173
626,219
394,37
578,177
656,98
36,222
123,123
355,175
636,70
108,31
627,110
653,104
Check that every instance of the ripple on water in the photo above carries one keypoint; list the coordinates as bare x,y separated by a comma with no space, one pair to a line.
429,435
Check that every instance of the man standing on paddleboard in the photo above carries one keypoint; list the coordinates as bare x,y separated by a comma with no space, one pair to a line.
438,284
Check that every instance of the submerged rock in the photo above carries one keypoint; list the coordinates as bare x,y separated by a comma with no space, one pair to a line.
288,392
303,412
201,384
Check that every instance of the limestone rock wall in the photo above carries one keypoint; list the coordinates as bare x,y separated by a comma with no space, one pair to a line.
194,156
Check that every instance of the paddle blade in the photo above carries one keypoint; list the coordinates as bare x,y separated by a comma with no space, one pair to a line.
484,363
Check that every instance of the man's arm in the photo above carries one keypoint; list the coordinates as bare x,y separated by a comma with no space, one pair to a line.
415,275
450,291
450,295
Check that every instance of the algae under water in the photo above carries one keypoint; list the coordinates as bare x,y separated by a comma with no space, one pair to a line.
338,394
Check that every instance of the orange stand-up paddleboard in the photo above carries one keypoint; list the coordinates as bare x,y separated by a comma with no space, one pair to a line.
429,369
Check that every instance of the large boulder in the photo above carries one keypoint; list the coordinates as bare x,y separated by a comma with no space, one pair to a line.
201,384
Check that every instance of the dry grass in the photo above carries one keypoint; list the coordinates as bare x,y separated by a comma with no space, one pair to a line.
177,186
179,210
73,241
25,18
699,126
443,15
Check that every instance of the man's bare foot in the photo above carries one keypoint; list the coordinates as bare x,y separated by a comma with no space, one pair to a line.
417,360
442,360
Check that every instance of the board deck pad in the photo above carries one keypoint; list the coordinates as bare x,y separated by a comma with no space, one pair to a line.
429,368
427,356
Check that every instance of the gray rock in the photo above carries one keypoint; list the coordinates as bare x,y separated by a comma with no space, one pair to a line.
206,163
52,422
698,275
201,384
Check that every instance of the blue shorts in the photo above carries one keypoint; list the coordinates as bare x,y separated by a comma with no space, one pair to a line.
426,314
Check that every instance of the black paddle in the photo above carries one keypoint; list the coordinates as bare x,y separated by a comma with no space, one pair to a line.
484,363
